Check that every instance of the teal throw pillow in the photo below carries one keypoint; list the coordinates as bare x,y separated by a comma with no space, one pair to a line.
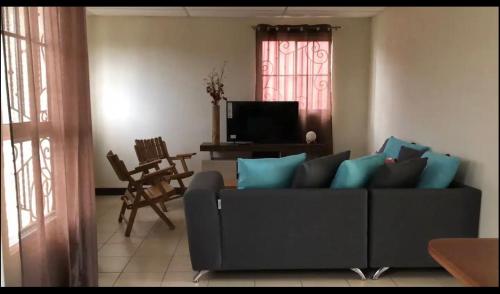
439,172
356,173
268,173
393,146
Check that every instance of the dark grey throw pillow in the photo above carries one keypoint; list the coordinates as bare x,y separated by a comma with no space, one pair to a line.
406,153
404,174
318,172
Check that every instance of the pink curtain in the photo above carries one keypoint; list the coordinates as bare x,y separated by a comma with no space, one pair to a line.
294,64
47,161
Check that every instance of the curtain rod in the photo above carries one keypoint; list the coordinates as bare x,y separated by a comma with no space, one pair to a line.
331,27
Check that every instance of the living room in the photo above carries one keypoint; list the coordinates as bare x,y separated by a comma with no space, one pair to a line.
217,200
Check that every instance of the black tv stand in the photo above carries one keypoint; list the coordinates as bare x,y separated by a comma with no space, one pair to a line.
259,150
239,142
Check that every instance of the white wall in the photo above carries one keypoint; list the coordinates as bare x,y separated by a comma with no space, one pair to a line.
146,77
435,82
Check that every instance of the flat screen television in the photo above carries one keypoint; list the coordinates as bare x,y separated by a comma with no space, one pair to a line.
262,122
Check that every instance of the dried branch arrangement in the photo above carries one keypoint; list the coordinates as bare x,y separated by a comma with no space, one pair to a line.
215,85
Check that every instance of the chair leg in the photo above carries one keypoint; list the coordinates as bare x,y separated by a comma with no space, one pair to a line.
122,212
131,219
162,215
163,206
181,185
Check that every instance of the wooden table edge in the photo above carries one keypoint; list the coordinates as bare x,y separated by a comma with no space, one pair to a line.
451,267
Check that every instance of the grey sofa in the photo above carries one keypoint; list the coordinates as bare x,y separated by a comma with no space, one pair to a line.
270,229
273,229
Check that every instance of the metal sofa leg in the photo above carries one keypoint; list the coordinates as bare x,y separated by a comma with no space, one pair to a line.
198,275
359,272
379,272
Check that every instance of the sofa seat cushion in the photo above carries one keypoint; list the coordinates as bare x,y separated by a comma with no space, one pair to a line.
268,173
404,174
393,146
439,172
318,172
356,173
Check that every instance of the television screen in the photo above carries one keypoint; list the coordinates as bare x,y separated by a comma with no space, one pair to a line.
262,122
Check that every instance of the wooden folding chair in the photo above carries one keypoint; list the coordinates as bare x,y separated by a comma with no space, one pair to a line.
139,195
148,150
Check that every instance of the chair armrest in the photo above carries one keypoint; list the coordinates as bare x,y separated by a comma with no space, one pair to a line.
182,156
156,174
180,175
202,220
145,166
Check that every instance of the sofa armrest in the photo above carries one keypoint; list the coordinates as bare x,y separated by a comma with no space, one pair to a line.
202,220
403,221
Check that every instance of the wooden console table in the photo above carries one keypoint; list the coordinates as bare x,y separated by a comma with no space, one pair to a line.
229,152
472,261
280,149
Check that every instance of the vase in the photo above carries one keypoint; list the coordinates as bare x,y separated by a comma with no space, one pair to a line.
215,124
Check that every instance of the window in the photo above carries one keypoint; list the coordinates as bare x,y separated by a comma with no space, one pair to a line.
25,107
296,71
294,64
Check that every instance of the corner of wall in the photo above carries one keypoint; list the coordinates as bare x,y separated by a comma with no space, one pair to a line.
371,88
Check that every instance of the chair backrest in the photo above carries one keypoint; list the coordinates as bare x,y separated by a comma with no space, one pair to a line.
118,166
150,149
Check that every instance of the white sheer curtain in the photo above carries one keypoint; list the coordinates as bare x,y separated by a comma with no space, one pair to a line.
48,202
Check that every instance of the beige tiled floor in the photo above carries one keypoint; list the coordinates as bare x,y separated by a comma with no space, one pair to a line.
155,256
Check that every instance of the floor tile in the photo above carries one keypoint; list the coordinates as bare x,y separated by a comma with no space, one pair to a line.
308,278
109,226
162,231
159,247
139,280
136,231
232,279
233,283
372,283
109,218
120,238
102,237
277,283
422,282
325,283
150,264
183,279
180,263
182,249
107,279
118,249
112,264
421,278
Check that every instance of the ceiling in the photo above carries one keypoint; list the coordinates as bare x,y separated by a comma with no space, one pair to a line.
237,11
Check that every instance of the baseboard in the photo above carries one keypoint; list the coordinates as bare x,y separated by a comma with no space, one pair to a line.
109,191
